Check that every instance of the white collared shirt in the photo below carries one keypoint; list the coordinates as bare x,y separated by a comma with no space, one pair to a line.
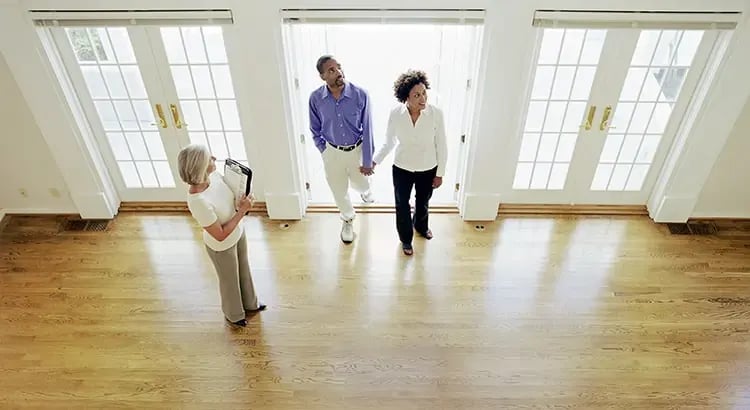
421,146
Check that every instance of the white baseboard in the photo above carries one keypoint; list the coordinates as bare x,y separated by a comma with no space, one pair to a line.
37,211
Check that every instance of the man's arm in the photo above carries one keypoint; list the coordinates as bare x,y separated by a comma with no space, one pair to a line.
316,125
367,139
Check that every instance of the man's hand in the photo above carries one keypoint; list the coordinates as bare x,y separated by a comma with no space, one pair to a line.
437,181
367,171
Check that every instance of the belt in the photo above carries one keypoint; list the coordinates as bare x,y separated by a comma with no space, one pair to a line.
346,148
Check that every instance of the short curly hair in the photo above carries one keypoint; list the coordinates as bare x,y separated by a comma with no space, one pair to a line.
407,81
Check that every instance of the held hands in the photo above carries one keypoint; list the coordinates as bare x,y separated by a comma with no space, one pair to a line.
367,171
437,181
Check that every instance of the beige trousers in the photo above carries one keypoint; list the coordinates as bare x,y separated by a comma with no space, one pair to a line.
342,167
235,282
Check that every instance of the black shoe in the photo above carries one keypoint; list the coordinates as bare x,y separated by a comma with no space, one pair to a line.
261,307
407,248
241,322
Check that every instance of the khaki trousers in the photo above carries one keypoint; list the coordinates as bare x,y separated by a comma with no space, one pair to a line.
235,282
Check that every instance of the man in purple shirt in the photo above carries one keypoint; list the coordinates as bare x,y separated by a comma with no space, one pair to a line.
341,126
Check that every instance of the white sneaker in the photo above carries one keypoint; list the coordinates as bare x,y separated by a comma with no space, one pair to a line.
367,197
347,231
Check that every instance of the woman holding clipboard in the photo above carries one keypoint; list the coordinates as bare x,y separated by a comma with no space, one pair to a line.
212,204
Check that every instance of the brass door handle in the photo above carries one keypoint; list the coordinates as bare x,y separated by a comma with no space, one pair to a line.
589,118
175,116
160,113
605,118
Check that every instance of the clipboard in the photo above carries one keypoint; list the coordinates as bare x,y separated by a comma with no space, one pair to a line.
239,177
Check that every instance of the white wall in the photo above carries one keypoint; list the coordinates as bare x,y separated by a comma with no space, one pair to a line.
509,39
25,160
727,190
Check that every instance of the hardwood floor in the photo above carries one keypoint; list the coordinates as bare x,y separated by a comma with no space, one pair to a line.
578,312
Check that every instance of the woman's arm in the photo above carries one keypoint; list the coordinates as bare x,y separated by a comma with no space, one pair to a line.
441,144
219,231
390,139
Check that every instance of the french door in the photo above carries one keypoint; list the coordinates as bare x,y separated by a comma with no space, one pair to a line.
603,109
148,91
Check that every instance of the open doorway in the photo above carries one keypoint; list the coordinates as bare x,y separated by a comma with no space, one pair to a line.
372,56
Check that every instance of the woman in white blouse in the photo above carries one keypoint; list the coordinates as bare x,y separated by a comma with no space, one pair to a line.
421,154
212,204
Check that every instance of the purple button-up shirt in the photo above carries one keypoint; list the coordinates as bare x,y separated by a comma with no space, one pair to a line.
344,121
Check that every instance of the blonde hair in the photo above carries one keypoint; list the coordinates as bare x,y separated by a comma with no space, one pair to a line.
193,162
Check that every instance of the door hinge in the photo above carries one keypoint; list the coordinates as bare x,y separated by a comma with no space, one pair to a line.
302,138
307,186
468,83
457,186
463,138
296,83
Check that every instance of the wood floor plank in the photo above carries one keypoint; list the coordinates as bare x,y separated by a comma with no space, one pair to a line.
531,312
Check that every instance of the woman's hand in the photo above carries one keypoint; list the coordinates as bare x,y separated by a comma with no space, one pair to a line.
436,182
245,204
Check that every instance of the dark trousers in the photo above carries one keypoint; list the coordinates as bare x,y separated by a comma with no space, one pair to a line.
403,182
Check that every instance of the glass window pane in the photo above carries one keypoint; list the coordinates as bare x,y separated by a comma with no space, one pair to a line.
134,81
629,148
619,177
210,115
81,44
541,175
155,146
644,50
672,80
104,49
622,115
666,48
107,115
129,174
547,147
543,82
611,148
523,175
641,117
555,114
535,116
146,172
563,83
145,115
114,81
164,174
193,40
217,145
592,46
229,115
183,81
601,177
574,117
121,45
648,149
94,82
584,81
198,138
637,177
550,48
565,147
223,81
558,176
173,45
192,115
128,120
571,46
633,82
652,85
204,87
137,147
688,47
119,146
660,118
215,44
529,145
